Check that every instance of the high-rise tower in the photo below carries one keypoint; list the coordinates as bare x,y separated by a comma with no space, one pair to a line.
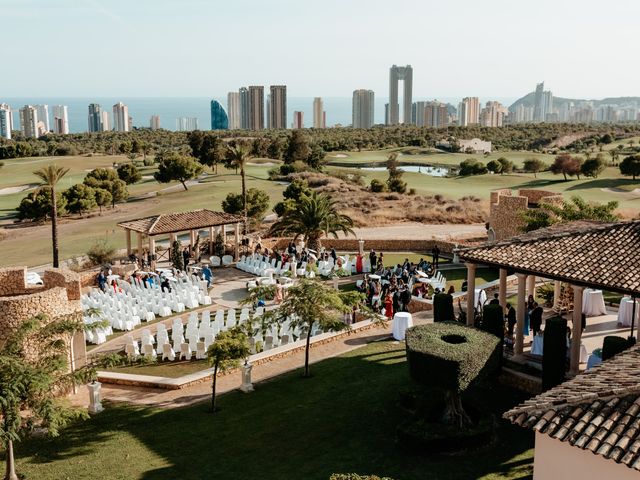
278,110
363,108
395,75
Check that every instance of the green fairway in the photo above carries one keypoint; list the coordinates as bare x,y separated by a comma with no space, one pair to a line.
343,419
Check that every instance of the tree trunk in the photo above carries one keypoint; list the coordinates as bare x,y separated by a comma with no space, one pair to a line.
184,184
213,388
453,411
54,227
565,176
244,195
10,473
306,353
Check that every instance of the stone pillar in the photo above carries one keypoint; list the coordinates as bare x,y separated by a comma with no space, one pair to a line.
531,285
576,331
557,291
152,252
520,312
224,234
237,250
95,405
471,291
192,240
139,245
212,239
502,292
128,235
246,386
361,247
456,258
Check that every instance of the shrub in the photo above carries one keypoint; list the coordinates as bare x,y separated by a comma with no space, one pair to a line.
443,308
377,186
80,198
613,345
257,203
593,167
471,166
129,173
450,357
554,352
101,252
355,476
176,255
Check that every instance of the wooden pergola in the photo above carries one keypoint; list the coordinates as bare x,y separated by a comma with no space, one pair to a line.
582,254
172,224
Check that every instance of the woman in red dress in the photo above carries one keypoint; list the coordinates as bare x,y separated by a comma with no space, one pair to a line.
388,306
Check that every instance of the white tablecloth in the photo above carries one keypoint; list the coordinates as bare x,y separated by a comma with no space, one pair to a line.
401,321
626,311
593,303
537,346
480,296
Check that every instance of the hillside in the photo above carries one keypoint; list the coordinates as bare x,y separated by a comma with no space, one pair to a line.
528,101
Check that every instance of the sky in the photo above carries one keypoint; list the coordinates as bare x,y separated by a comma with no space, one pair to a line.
188,48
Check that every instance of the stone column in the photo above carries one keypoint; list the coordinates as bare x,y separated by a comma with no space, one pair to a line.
212,239
139,245
152,252
224,234
192,240
95,405
237,232
246,386
557,290
531,285
502,291
576,331
128,235
520,312
471,291
361,246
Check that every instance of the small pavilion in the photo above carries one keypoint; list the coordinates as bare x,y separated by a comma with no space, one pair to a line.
172,224
581,254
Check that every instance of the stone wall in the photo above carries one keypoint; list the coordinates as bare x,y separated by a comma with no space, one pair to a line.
507,210
13,281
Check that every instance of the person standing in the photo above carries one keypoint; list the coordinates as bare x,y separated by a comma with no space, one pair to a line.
207,274
435,253
185,257
511,319
102,281
373,260
535,318
388,305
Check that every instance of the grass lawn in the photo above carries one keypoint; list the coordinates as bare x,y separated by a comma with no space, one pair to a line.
343,419
164,369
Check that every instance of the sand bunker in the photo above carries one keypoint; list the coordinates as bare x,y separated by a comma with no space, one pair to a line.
634,192
11,190
339,155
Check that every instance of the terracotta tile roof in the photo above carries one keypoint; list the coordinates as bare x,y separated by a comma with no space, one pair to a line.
180,222
584,253
598,410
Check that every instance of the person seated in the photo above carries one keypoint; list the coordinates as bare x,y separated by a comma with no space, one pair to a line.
495,300
451,290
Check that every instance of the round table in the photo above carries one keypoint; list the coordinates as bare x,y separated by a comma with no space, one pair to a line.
401,321
593,303
625,312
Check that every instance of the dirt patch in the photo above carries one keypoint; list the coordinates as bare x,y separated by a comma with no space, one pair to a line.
565,140
635,192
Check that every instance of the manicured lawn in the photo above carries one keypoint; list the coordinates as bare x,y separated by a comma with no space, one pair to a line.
343,419
164,369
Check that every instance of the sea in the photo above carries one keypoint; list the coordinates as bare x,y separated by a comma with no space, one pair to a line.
169,109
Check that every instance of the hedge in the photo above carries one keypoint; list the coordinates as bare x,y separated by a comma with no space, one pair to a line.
449,355
443,308
355,476
554,352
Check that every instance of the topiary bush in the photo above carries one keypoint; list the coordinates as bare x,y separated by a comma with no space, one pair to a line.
450,357
554,352
443,308
613,345
493,322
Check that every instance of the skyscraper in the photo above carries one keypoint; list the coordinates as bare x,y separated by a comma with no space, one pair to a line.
268,111
435,114
256,108
319,115
298,120
493,114
60,119
219,118
363,108
538,103
95,118
233,110
417,113
186,124
6,121
43,116
406,75
469,111
120,117
104,121
154,122
29,121
278,111
245,108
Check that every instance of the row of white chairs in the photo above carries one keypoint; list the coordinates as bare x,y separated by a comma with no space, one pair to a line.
216,261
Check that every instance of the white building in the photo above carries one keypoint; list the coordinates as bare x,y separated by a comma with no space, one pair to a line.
298,120
475,145
6,121
29,121
469,111
363,108
43,116
106,125
319,115
154,122
120,117
493,114
186,124
233,110
60,119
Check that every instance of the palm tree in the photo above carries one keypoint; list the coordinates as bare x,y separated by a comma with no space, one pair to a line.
315,215
50,176
237,157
